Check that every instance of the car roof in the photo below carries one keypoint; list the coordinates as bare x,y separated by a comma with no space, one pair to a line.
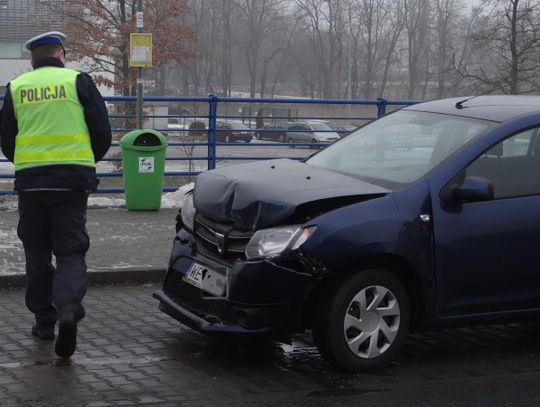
280,123
230,122
496,108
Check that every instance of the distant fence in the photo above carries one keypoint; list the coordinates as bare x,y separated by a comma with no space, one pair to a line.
178,123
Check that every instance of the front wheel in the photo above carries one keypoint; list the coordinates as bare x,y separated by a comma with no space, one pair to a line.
363,321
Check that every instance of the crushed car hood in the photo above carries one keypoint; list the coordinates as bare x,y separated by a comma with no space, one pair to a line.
258,195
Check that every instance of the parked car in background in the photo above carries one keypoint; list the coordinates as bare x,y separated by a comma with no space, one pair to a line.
229,132
311,132
197,129
360,245
344,130
274,131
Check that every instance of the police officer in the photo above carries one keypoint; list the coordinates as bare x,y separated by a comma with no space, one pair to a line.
55,129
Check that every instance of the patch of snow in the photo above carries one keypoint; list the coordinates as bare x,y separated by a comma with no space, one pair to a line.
105,202
170,200
8,202
176,199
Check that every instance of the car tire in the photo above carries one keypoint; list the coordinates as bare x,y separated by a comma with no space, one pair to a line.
290,140
313,141
363,320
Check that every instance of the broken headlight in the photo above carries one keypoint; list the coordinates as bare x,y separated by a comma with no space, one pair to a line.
275,241
188,211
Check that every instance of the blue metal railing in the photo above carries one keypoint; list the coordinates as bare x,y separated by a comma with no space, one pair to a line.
212,130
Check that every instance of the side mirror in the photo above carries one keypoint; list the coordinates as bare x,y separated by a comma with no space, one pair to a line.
472,189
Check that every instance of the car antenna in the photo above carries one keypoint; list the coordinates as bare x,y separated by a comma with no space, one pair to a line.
459,105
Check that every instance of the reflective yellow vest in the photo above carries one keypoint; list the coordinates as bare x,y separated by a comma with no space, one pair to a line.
50,120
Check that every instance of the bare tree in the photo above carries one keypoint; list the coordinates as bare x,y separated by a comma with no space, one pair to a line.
283,65
416,26
445,19
318,48
225,51
508,41
396,23
371,18
324,27
102,29
260,19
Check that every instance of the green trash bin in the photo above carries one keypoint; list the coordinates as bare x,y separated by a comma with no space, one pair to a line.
143,165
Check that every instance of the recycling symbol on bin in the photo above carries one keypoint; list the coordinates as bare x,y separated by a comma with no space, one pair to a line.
146,165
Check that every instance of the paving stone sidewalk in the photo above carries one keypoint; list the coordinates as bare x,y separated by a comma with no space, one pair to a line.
129,353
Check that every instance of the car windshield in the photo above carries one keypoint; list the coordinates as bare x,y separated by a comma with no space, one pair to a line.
233,125
399,148
238,125
319,126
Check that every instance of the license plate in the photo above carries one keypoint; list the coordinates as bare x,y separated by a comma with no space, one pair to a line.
206,279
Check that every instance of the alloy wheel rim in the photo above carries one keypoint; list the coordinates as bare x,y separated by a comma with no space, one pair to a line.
371,322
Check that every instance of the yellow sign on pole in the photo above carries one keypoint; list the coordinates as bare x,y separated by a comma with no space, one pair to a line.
140,50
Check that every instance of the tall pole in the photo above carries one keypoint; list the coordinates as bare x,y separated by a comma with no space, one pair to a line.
139,70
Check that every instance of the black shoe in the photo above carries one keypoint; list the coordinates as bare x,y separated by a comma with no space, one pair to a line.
67,332
45,333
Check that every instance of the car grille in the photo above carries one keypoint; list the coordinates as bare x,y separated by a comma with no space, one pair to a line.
192,299
221,239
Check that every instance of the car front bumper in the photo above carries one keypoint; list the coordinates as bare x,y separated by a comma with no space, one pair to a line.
261,297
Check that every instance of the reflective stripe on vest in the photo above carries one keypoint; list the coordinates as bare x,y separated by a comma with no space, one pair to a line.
50,118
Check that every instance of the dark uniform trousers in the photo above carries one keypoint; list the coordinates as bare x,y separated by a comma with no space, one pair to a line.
54,222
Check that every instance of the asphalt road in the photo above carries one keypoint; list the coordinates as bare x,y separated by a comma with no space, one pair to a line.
234,153
129,353
228,154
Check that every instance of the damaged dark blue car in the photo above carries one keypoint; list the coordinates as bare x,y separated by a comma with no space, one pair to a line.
427,217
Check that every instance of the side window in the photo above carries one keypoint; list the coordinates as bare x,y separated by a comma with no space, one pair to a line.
512,166
519,145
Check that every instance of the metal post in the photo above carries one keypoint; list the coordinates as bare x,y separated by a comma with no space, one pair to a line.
139,78
381,107
212,117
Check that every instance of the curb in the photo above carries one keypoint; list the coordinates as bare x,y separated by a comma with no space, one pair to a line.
98,278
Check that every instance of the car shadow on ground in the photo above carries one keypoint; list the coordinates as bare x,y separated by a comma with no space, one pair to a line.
472,351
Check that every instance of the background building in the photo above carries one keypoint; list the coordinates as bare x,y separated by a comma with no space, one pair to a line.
21,20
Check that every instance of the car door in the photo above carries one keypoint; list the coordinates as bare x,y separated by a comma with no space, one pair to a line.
487,253
281,135
220,134
305,135
227,134
294,133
